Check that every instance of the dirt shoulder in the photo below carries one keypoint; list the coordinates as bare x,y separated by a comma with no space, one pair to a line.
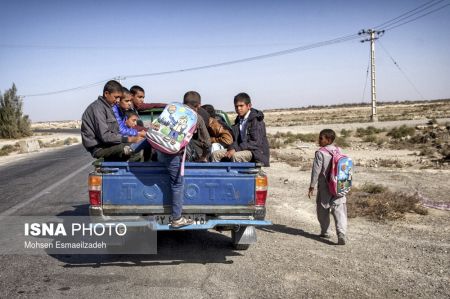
47,141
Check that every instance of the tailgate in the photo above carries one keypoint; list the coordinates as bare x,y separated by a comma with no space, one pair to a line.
220,187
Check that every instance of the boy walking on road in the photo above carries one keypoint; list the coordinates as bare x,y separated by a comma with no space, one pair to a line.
325,201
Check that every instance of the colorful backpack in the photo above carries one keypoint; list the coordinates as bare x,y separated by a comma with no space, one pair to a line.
173,129
340,176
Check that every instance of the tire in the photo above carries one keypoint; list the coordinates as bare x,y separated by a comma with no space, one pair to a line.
241,246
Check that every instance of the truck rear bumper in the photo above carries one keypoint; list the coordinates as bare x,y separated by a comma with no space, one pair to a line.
147,221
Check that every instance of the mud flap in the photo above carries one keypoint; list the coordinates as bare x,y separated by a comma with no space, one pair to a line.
244,235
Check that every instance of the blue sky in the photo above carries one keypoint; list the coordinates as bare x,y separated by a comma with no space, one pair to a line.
53,45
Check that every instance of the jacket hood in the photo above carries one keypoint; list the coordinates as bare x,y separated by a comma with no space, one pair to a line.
254,113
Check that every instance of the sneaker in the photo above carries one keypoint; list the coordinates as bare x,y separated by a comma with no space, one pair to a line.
325,235
127,150
181,222
341,240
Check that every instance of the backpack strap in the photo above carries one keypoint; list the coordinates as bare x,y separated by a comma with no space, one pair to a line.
324,149
183,160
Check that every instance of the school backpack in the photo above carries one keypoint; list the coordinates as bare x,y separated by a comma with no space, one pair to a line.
173,129
340,176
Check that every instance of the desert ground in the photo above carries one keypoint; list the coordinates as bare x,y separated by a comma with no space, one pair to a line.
407,152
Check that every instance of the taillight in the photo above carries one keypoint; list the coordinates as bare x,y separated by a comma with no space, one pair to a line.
95,190
261,190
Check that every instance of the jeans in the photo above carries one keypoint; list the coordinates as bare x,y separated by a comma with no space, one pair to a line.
173,165
140,145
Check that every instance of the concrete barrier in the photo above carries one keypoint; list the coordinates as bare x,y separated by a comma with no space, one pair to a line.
29,146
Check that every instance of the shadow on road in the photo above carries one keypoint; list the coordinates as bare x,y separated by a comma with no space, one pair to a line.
280,228
174,248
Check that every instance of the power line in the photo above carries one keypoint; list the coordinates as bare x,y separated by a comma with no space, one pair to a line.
367,78
401,70
389,26
74,47
419,17
273,54
409,14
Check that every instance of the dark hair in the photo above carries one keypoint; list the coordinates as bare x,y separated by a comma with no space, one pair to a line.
134,89
112,86
205,115
125,90
130,113
329,134
242,97
210,109
192,99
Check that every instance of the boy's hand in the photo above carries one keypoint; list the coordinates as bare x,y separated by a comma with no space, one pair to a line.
142,133
230,153
310,192
134,139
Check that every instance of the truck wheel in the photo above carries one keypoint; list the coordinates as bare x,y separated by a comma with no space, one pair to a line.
241,246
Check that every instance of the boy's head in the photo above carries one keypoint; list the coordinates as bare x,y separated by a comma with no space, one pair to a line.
132,118
242,104
326,137
137,95
112,92
192,99
125,100
210,109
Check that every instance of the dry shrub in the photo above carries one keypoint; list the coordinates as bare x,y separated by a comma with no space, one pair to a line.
370,138
289,158
70,140
370,130
341,142
289,137
390,163
274,142
346,133
401,132
7,149
379,203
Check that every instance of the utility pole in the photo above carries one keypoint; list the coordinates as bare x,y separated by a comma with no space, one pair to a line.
373,35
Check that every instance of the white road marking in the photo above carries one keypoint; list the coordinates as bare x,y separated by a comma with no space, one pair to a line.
17,207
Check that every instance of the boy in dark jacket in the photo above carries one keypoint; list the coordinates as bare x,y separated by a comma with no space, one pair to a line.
200,145
100,130
250,143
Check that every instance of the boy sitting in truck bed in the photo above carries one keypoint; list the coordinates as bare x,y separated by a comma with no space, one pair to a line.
100,130
250,143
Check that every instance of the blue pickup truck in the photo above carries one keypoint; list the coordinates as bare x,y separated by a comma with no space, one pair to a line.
221,196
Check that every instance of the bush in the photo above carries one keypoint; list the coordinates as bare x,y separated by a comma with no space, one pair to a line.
7,149
274,142
290,137
390,163
382,204
70,140
341,142
361,132
370,138
372,188
346,133
401,132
